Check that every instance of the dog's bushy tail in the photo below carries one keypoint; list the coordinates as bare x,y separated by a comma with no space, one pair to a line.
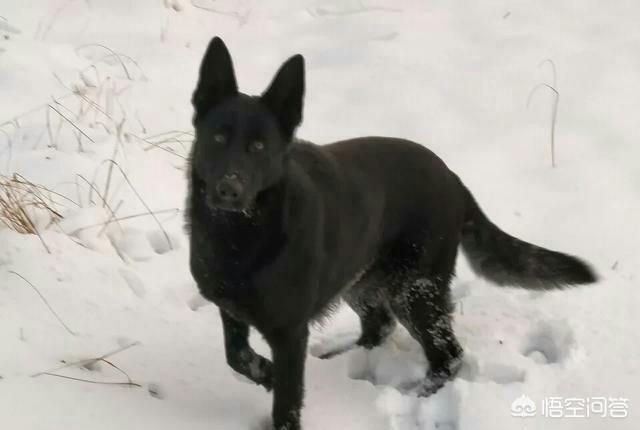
506,260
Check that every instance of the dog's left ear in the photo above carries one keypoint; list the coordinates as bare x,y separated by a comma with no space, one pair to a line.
285,95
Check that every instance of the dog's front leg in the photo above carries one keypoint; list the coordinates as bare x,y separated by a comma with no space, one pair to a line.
289,354
240,356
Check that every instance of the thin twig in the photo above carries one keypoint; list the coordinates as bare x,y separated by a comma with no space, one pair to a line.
175,132
169,140
109,175
149,211
74,126
19,177
88,361
241,18
124,218
13,121
121,371
112,52
52,140
553,70
110,219
318,11
33,227
118,55
554,114
73,239
110,354
9,146
45,302
159,146
129,383
93,188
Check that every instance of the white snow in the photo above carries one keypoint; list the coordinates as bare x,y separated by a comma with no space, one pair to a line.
452,75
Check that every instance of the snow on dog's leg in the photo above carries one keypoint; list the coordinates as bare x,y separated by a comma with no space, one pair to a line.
241,357
423,307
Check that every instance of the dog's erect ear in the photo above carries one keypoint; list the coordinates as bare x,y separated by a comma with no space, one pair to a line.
217,79
285,95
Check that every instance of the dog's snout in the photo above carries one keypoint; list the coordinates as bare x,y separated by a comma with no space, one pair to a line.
230,188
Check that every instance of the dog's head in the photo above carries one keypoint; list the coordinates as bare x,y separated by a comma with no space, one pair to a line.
241,141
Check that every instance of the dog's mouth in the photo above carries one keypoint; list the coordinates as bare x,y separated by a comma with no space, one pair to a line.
244,206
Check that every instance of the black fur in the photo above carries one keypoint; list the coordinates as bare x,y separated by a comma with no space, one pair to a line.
506,260
374,220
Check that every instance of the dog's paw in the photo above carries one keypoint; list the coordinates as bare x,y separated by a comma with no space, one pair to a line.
433,382
252,368
436,379
261,371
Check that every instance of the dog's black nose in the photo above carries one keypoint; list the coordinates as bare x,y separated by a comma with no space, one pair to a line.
229,188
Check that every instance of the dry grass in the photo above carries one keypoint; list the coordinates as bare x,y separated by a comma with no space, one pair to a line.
91,107
18,197
90,111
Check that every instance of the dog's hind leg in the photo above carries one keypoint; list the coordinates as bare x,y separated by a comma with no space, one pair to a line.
370,304
418,293
423,311
376,320
240,356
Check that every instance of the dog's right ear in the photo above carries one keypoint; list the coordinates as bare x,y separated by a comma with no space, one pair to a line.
217,80
285,95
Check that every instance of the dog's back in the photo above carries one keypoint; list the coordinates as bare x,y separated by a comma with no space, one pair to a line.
375,192
408,179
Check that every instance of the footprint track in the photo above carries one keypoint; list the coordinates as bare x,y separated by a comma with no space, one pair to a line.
549,342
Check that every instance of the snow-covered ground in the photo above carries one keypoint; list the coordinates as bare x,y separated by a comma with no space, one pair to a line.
82,82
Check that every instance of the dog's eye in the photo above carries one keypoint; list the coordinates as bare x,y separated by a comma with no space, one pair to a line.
219,138
257,145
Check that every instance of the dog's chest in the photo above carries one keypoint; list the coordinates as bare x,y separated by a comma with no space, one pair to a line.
227,252
221,279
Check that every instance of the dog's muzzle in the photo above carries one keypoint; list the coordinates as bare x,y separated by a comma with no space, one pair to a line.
230,189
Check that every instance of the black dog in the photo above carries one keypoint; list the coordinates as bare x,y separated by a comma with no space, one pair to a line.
281,229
